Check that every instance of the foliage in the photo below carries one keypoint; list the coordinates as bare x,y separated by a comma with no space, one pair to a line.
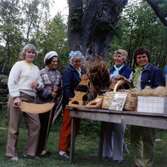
140,27
34,12
23,21
53,37
10,33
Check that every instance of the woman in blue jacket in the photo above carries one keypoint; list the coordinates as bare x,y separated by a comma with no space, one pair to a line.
146,74
114,133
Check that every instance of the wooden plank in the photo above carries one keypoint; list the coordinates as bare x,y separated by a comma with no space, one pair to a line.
159,122
84,109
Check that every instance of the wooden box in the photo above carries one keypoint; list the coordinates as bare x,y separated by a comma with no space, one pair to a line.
152,104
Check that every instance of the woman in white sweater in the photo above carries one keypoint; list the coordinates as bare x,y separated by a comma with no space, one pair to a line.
24,80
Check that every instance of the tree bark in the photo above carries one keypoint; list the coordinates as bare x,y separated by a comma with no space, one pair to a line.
91,24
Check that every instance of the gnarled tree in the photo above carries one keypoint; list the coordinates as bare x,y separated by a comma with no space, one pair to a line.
91,23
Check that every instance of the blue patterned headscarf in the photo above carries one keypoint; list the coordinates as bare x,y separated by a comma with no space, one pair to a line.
75,54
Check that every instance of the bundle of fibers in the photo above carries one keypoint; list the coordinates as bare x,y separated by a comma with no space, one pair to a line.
99,76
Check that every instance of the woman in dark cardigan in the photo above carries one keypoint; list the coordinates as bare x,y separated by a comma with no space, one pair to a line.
71,79
113,140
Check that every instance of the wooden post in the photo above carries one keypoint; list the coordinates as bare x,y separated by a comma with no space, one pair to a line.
100,151
73,135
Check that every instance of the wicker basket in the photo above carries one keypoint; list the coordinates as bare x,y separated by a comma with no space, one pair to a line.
131,102
131,99
36,108
113,97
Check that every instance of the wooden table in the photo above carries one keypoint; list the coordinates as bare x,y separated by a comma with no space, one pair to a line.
151,120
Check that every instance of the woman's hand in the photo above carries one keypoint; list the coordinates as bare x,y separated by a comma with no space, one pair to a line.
17,102
34,84
55,91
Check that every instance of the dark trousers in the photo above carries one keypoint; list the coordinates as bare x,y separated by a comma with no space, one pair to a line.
142,140
45,124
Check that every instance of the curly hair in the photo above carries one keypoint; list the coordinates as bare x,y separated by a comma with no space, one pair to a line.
141,51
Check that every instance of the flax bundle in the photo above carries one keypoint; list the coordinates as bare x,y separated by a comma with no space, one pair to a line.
159,91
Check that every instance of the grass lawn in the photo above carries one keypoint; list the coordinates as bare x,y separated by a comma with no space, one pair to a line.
86,149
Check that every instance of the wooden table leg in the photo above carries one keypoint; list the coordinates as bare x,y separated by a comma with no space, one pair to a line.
100,151
73,135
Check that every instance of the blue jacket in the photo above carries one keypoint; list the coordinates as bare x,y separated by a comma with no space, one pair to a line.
152,76
125,71
71,80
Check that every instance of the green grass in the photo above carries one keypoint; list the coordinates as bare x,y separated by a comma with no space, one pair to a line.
85,153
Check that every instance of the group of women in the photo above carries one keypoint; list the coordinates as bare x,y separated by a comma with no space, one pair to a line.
26,81
142,139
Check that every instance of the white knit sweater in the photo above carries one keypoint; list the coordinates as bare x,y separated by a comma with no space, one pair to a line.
21,77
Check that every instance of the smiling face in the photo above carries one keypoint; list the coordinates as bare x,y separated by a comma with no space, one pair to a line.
142,60
76,62
30,55
119,59
54,63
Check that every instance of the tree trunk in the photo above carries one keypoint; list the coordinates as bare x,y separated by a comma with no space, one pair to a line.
91,24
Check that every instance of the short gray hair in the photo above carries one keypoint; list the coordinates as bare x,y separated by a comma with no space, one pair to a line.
122,52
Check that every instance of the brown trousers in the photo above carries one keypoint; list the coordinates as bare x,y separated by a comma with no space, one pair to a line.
33,126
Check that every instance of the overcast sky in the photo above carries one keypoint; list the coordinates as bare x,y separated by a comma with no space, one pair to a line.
59,6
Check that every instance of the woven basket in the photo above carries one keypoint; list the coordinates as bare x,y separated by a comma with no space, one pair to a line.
131,102
108,97
131,99
36,108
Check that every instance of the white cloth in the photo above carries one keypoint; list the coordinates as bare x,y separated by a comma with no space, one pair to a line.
21,77
116,71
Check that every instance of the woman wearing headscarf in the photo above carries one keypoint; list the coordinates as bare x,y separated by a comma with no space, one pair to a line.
71,79
113,132
23,82
52,81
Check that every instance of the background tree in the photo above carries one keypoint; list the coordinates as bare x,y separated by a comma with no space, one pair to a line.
24,21
34,12
53,37
91,24
140,27
10,32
